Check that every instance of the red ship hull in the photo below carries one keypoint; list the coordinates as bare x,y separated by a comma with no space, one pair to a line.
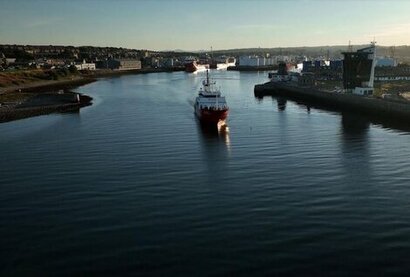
211,116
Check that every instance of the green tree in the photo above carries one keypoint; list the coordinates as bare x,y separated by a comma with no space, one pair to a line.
73,69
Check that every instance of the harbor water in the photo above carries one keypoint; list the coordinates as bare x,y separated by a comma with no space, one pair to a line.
134,186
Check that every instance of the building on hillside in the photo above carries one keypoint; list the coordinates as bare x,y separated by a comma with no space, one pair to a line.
10,61
85,66
168,62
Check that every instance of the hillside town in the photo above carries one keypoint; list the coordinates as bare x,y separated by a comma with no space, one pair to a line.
14,57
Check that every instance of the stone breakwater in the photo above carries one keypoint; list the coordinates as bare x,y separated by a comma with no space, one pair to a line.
42,104
338,101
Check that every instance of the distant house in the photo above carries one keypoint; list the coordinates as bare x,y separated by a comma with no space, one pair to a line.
10,61
85,66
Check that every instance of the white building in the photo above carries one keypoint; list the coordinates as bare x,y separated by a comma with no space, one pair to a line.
85,66
251,61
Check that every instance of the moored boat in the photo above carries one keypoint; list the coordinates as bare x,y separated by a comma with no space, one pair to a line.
210,106
223,62
194,67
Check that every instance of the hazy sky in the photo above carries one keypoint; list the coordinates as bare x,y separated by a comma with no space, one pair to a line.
197,24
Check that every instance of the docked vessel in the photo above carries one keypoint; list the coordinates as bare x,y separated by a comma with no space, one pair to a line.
210,106
223,62
193,66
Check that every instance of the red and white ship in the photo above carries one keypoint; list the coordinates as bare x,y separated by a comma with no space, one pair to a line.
193,66
210,106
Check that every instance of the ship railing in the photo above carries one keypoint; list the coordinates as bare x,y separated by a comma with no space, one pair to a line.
213,108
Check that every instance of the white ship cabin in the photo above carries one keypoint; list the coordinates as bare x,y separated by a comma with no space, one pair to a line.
211,103
209,90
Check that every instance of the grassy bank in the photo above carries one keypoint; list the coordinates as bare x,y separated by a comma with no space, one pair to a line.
27,93
20,77
38,80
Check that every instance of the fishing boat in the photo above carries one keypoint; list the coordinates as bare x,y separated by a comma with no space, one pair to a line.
210,105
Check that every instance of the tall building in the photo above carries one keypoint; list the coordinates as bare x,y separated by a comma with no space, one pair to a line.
358,70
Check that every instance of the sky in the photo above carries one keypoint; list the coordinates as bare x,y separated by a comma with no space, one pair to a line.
200,24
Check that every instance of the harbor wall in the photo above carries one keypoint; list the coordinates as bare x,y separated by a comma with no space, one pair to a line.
340,101
67,105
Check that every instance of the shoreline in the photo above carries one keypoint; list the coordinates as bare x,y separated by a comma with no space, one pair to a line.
50,85
42,104
79,80
21,104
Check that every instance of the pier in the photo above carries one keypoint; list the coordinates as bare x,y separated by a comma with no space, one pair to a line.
336,101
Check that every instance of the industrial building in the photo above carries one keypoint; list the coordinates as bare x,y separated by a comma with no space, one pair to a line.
358,70
120,64
251,61
255,61
386,61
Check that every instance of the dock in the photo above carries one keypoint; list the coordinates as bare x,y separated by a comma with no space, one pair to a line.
335,100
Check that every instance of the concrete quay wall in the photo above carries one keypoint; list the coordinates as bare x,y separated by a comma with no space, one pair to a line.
340,101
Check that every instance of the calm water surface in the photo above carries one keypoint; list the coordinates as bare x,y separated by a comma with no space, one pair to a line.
132,185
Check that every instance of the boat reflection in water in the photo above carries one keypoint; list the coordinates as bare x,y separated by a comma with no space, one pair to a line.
215,149
216,135
281,104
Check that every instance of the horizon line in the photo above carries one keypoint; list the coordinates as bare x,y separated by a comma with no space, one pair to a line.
201,50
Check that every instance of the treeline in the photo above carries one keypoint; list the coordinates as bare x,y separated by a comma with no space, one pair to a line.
20,55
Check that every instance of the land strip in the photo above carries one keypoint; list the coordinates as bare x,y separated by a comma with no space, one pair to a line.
29,93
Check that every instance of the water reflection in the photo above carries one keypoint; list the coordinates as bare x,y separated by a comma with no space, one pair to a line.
388,122
218,133
354,126
216,146
281,103
355,147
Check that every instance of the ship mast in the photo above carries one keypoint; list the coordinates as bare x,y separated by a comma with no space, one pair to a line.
371,81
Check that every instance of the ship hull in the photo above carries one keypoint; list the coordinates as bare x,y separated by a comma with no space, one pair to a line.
220,66
211,117
194,67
